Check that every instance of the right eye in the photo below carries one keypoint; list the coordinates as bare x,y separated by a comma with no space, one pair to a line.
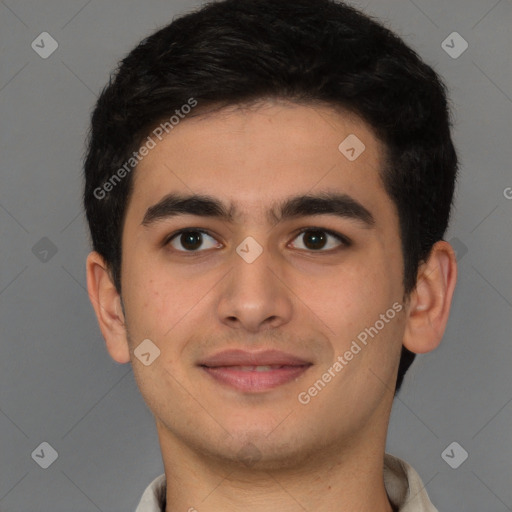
191,240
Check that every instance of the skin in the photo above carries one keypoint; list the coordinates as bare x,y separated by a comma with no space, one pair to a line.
323,456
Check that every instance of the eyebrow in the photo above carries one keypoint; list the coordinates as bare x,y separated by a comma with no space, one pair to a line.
325,203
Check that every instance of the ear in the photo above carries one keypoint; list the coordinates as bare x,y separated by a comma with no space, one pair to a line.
107,305
430,301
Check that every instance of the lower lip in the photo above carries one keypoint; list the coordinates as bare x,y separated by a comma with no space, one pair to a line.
254,381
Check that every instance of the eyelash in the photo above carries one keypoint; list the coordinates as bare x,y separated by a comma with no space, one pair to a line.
344,241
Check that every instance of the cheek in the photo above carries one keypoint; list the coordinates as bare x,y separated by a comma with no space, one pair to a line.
161,300
353,298
149,300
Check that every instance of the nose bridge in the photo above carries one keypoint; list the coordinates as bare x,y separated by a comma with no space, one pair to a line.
251,266
253,297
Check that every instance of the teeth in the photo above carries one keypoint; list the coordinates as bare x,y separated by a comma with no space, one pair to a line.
264,368
256,368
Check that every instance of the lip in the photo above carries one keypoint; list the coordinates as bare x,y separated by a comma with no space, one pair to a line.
247,358
224,367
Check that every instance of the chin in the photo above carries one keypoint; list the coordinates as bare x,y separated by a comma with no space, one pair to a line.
263,450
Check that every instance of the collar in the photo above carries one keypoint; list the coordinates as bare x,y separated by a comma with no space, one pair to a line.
403,485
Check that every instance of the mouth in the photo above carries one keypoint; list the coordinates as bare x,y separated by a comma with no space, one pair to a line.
254,372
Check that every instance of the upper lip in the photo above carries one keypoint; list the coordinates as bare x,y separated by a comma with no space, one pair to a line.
246,358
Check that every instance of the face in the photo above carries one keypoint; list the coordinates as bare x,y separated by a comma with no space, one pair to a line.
275,298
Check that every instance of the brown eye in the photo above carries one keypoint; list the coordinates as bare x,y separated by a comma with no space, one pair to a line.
320,240
314,239
192,240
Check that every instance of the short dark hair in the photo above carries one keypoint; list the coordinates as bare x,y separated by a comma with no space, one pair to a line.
234,52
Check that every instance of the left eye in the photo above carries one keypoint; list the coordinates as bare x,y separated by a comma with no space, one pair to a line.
192,240
318,239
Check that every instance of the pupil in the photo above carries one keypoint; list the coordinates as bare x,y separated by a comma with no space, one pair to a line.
316,237
191,240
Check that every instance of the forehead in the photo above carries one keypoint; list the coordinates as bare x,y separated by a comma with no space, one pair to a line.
254,156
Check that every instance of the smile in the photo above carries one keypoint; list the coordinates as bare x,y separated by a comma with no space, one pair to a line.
255,378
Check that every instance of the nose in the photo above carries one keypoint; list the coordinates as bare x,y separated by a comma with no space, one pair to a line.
254,295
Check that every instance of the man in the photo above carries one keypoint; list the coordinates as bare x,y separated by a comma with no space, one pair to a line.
268,184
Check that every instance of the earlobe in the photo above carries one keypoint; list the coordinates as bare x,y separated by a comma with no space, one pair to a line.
107,305
430,301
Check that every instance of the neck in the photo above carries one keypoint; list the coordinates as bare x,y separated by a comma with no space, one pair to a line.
335,478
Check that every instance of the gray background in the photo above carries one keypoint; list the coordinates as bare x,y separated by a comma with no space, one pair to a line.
58,384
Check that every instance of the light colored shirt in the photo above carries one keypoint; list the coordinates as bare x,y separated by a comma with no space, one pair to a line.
403,486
